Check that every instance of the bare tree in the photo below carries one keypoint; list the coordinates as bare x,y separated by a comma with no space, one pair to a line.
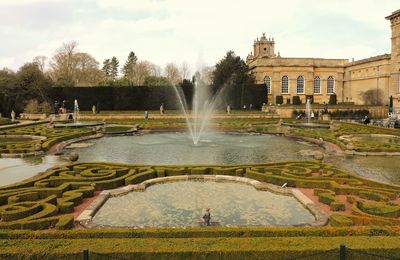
41,62
87,72
156,70
141,72
171,71
63,63
185,70
206,74
68,66
373,97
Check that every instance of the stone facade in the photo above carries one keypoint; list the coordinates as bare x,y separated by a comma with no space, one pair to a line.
320,78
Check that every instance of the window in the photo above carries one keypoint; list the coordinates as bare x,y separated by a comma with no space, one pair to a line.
300,84
267,82
317,85
331,85
285,85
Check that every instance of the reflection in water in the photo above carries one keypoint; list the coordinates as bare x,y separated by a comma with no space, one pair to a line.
178,148
13,170
380,168
182,204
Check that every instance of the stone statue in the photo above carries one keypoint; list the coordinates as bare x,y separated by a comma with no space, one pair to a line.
94,109
207,217
162,109
228,109
12,115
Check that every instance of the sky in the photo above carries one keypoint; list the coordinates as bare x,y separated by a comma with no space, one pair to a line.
198,32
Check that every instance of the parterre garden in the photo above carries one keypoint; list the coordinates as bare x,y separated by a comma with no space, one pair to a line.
48,200
53,136
361,207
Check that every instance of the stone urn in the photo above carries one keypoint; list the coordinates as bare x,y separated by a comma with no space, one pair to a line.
319,156
350,146
38,147
73,157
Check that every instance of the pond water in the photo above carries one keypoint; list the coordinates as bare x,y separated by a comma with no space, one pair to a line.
182,204
177,148
379,168
13,170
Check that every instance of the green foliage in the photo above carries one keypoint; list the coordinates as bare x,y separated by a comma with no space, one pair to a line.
16,89
53,136
155,81
333,99
129,67
231,76
379,208
296,100
114,63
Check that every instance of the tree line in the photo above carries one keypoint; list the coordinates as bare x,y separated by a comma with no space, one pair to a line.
69,67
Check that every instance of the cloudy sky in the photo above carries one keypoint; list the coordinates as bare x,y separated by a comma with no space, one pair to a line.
195,31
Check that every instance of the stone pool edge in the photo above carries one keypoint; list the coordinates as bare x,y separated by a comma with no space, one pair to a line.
85,218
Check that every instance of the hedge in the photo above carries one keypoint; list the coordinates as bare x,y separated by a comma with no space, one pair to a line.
202,248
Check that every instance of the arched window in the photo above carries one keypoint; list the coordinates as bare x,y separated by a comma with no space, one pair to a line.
317,85
267,82
331,85
285,84
300,84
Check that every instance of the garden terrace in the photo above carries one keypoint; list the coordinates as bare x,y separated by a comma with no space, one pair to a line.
343,129
49,199
53,136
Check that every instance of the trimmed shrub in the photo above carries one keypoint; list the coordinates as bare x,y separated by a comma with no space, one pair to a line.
340,220
279,100
337,206
332,99
296,100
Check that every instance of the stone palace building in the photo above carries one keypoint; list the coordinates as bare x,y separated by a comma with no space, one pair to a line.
320,78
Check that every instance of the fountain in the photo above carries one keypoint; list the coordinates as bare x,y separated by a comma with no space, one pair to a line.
308,124
76,122
202,107
308,110
76,115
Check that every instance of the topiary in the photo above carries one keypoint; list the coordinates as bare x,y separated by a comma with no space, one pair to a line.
333,99
279,100
296,100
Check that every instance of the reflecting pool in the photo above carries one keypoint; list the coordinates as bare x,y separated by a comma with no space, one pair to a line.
178,148
13,170
182,204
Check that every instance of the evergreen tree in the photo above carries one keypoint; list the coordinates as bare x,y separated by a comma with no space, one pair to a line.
231,75
106,68
114,68
129,68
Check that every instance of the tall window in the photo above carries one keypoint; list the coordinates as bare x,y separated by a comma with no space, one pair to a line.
285,84
300,84
267,82
317,85
331,85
